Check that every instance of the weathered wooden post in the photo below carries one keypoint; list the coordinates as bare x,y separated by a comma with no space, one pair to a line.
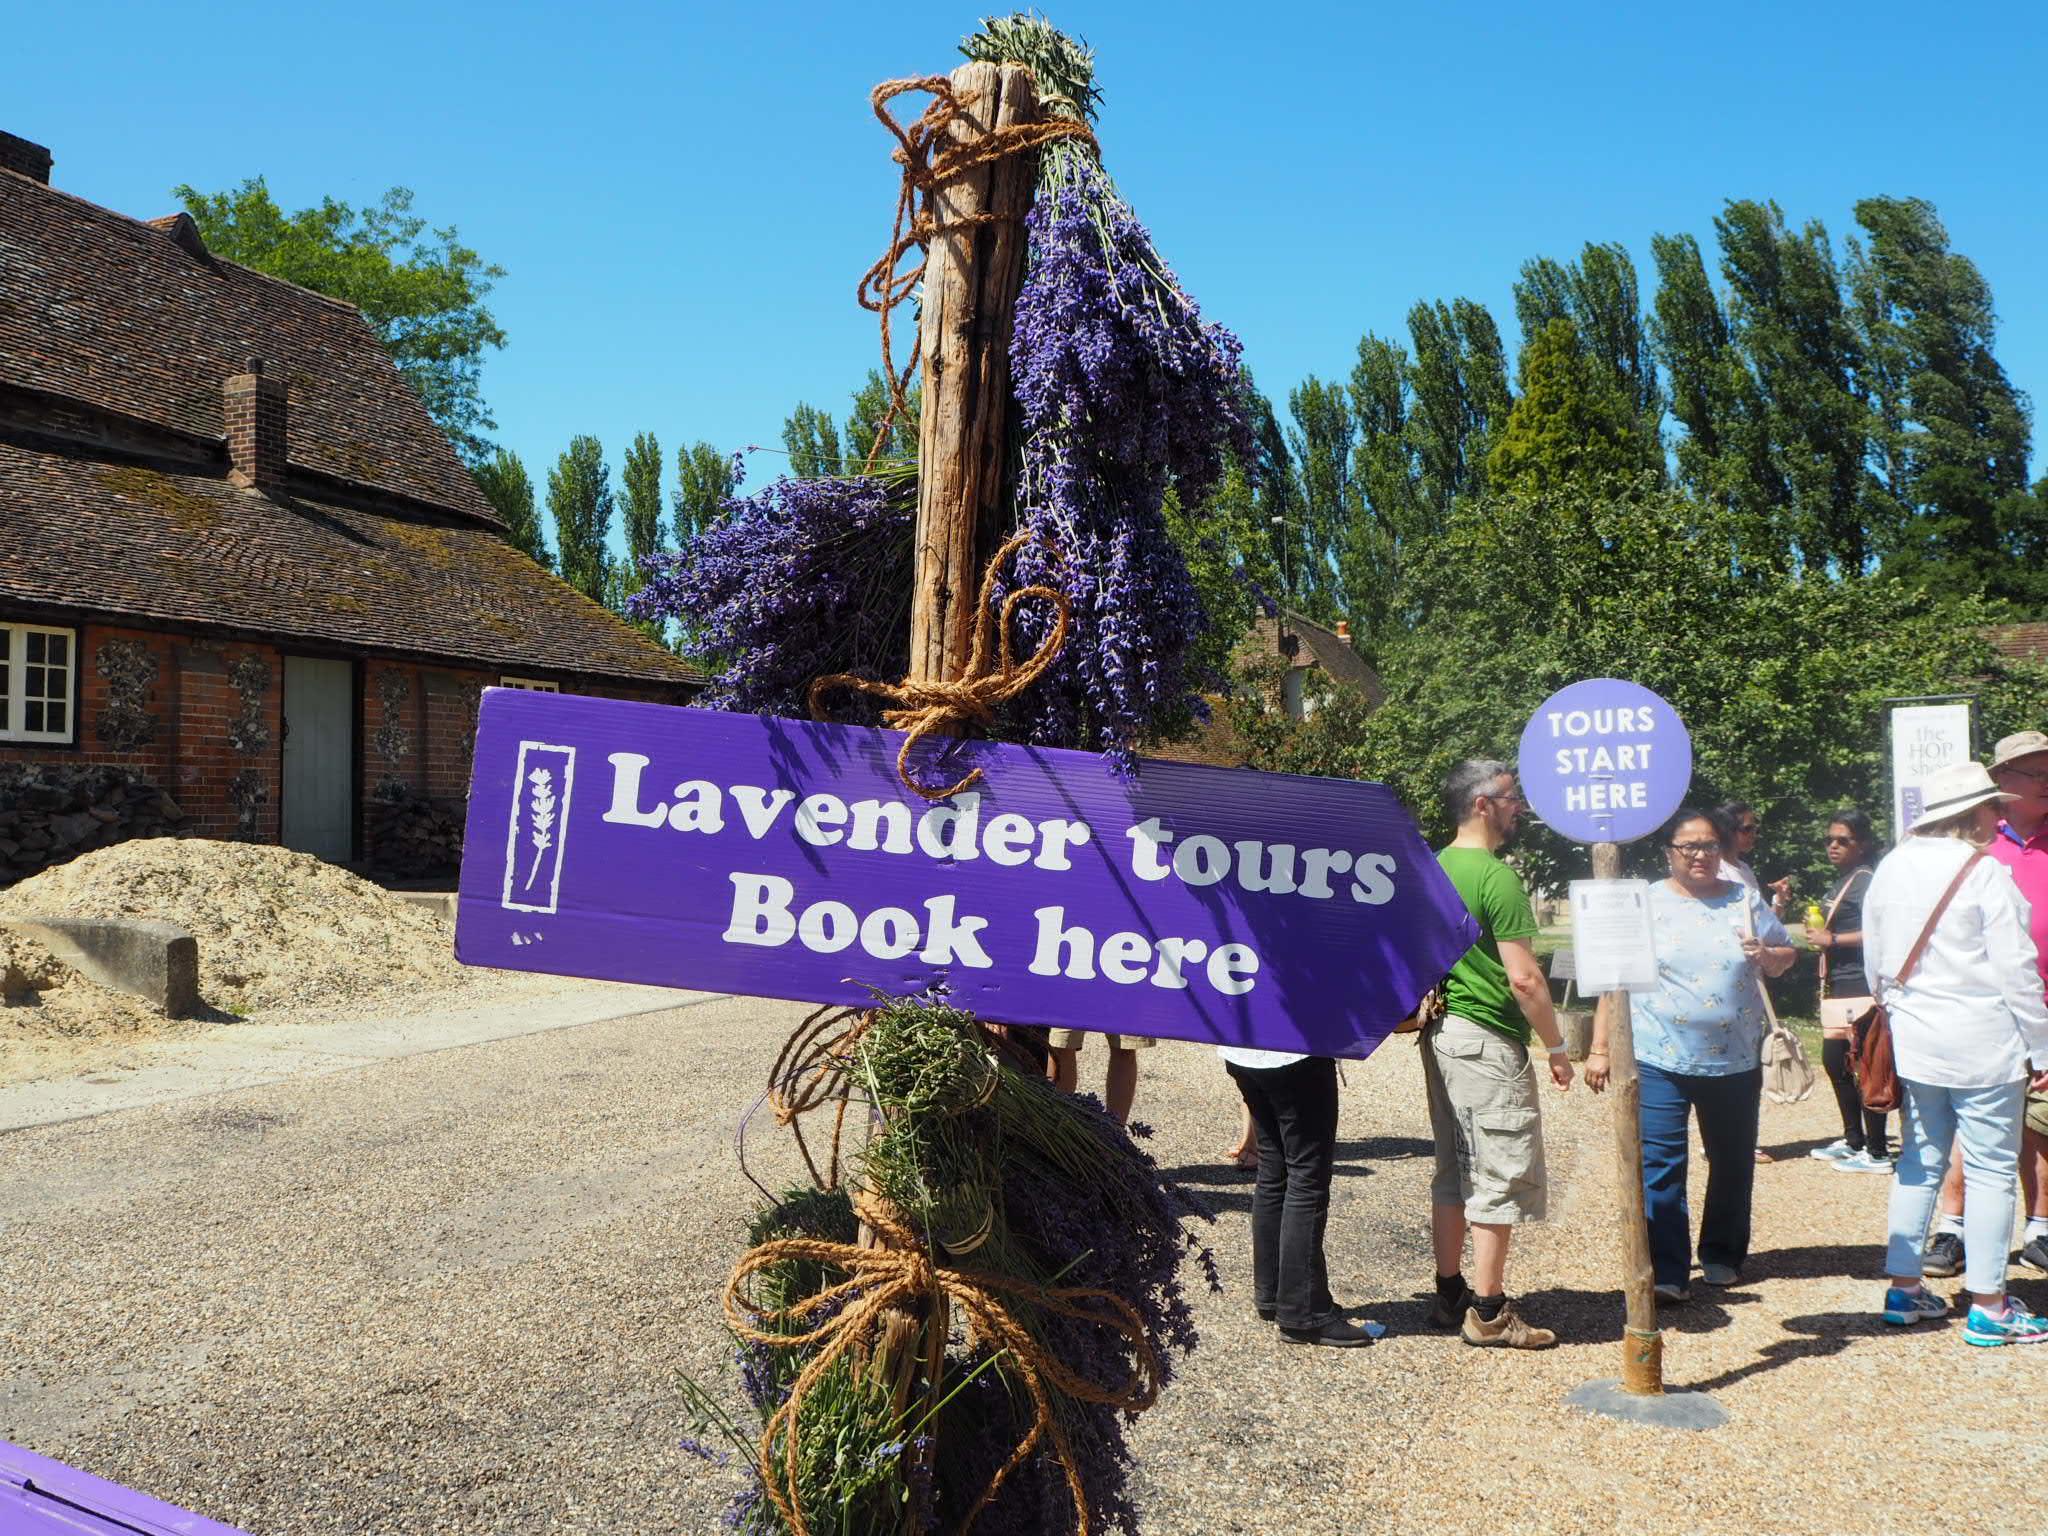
972,275
1642,1341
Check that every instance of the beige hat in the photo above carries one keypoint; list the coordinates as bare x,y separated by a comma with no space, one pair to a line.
2011,749
1952,790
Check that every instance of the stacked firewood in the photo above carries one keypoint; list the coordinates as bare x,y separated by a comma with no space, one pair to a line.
52,813
408,835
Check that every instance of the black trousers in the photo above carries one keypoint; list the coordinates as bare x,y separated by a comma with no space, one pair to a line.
1294,1113
1862,1128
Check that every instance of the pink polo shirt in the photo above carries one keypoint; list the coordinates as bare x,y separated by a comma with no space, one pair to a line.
2028,861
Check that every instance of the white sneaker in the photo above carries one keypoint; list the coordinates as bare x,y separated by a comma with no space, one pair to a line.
1863,1162
1834,1151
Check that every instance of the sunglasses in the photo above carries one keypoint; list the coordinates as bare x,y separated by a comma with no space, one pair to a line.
1840,842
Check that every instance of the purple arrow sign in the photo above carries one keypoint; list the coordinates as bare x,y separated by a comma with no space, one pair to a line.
777,858
1605,761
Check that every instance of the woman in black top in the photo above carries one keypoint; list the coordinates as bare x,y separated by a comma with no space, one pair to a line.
1845,994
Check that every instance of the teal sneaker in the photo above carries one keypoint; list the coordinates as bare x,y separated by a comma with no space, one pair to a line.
2015,1325
1903,1308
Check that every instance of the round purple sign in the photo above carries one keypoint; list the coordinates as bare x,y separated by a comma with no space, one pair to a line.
1605,761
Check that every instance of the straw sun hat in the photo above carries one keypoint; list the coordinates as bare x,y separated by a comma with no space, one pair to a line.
1952,790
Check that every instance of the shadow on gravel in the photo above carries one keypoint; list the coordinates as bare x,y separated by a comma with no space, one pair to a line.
1821,1335
1793,1151
1853,1261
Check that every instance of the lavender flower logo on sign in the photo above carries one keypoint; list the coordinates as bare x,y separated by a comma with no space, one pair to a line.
540,823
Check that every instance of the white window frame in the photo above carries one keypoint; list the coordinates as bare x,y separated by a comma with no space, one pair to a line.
532,684
13,690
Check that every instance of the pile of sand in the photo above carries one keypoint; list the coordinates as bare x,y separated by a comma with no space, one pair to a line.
276,929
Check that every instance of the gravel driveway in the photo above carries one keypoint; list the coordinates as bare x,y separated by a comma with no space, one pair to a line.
454,1293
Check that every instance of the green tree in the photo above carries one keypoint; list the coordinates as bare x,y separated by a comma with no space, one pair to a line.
1955,434
580,500
1724,454
1322,442
1793,332
703,481
421,290
641,507
813,443
1569,428
1780,675
864,424
1598,293
505,484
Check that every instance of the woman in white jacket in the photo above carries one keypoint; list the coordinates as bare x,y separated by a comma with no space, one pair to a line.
1965,1026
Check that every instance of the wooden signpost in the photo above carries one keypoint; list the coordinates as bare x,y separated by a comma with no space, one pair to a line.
1606,762
973,271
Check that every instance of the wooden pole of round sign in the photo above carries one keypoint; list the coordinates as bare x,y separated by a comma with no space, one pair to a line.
1642,1342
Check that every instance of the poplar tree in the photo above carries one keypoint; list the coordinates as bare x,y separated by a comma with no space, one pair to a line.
505,484
813,443
1953,433
864,425
1789,323
642,513
1322,442
580,500
703,481
1599,295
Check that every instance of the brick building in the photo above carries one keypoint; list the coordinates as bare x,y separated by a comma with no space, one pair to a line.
237,558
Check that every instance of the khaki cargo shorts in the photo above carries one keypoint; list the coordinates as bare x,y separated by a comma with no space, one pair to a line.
2037,1113
1488,1129
1070,1040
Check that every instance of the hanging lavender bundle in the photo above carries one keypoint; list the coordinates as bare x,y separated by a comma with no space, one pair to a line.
1123,393
803,578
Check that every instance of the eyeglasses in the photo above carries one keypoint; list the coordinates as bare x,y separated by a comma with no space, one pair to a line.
1840,842
1696,850
2038,775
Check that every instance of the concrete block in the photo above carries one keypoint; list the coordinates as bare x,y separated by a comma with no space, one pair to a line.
440,903
156,961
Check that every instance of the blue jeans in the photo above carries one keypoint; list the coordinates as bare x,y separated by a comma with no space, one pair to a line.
1931,1120
1727,1109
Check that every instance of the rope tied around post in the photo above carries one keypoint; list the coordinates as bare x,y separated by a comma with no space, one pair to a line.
924,707
926,168
898,1274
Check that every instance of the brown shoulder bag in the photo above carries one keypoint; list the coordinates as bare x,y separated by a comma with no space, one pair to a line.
1870,1043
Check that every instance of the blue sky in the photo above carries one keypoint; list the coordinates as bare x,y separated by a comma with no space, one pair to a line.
684,196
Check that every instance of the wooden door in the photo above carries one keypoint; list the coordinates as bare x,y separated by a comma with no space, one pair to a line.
319,757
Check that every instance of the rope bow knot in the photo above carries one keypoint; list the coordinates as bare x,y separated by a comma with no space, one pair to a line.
924,707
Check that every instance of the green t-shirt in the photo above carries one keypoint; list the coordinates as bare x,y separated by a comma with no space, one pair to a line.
1477,988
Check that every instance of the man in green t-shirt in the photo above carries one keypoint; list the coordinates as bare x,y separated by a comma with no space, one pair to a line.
1475,1060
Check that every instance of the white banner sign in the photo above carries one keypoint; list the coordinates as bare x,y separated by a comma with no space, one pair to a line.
1924,737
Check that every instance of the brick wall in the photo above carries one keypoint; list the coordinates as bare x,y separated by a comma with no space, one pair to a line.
204,721
199,719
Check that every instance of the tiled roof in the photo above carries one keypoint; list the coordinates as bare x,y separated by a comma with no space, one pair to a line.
117,540
2025,642
122,315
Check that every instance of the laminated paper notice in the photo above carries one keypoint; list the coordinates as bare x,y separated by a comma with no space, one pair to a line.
1613,946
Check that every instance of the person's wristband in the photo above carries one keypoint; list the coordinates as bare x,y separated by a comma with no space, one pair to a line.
1560,1049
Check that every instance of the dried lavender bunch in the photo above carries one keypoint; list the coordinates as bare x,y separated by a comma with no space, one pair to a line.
802,578
1123,392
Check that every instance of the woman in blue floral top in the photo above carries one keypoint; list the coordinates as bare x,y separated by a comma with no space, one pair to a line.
1698,1043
